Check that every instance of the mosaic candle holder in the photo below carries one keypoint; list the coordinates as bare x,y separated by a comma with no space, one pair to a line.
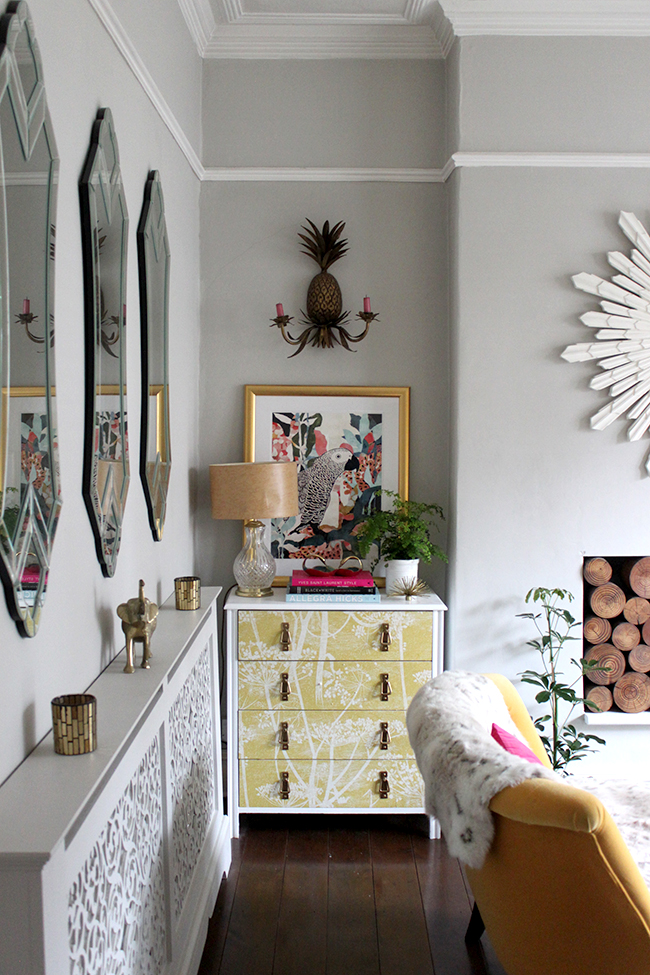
187,590
74,721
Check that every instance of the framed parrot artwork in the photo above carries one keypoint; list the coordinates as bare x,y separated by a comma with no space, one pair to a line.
350,443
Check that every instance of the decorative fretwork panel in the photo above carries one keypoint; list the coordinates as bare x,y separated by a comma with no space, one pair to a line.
116,906
191,770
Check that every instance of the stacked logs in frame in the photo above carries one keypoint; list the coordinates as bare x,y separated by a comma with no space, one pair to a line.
616,633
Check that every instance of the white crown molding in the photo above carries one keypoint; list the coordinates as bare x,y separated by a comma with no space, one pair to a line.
426,29
300,41
126,48
557,160
548,17
330,175
413,12
459,160
200,21
232,10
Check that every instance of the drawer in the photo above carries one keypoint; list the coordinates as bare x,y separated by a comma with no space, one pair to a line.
329,685
335,635
330,785
323,735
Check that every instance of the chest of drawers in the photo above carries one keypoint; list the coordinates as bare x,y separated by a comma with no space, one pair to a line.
317,697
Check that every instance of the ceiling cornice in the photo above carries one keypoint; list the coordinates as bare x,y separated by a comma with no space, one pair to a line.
549,17
300,41
422,31
200,21
426,29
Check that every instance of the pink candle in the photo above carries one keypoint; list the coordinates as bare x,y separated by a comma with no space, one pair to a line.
366,304
279,310
25,306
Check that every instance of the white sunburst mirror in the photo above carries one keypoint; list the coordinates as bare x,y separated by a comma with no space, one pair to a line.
622,348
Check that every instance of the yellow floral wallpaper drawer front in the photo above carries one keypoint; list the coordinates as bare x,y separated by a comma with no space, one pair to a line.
329,735
334,635
330,785
317,700
330,684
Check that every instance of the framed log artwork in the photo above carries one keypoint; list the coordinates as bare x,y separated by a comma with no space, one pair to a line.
616,633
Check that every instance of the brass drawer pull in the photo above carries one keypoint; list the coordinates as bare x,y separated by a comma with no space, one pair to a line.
285,637
384,785
284,735
384,735
385,638
285,687
285,788
385,690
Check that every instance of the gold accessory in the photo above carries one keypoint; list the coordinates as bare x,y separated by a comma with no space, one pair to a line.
187,590
74,722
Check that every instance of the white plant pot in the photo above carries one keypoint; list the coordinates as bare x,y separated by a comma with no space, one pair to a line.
398,570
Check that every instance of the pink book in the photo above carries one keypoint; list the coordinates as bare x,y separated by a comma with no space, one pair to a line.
362,578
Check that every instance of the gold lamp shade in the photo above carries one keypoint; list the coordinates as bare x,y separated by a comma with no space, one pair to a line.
250,492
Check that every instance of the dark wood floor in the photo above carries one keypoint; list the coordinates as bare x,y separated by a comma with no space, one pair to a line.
342,895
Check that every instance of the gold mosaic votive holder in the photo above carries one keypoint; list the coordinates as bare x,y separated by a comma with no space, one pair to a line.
74,721
187,590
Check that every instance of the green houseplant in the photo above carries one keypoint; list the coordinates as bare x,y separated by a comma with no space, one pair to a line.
561,739
403,533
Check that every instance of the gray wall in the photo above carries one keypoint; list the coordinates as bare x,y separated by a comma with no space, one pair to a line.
471,280
79,630
534,487
251,256
555,94
324,113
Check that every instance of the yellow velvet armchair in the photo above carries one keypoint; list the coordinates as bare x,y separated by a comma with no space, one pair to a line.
559,892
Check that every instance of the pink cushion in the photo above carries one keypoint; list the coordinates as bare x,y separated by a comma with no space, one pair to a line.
513,745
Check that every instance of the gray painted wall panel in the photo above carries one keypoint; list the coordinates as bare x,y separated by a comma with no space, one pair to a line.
324,113
555,94
251,260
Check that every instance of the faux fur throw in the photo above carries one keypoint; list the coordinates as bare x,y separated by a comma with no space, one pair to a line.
449,723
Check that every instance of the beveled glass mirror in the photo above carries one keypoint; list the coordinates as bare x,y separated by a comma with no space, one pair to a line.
153,266
30,496
104,226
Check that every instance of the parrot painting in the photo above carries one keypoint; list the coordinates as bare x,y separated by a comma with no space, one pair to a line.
315,484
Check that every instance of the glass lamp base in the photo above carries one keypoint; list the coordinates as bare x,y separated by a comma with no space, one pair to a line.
254,567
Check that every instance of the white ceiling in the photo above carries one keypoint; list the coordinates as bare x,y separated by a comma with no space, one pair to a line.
392,28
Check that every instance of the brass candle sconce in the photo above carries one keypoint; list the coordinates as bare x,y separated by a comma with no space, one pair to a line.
324,324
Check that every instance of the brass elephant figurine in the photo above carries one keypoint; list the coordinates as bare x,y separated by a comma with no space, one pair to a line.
138,622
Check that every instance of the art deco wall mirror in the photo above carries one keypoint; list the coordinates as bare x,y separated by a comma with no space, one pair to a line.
104,225
30,497
154,267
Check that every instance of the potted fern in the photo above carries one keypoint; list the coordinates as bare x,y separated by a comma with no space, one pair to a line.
402,536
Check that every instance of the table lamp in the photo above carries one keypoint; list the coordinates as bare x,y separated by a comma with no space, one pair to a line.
251,492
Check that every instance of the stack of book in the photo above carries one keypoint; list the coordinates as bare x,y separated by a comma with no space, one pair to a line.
359,587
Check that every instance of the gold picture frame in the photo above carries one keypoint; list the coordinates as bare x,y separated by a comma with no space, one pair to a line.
372,422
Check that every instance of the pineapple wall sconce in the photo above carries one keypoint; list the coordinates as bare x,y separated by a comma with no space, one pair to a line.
324,324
